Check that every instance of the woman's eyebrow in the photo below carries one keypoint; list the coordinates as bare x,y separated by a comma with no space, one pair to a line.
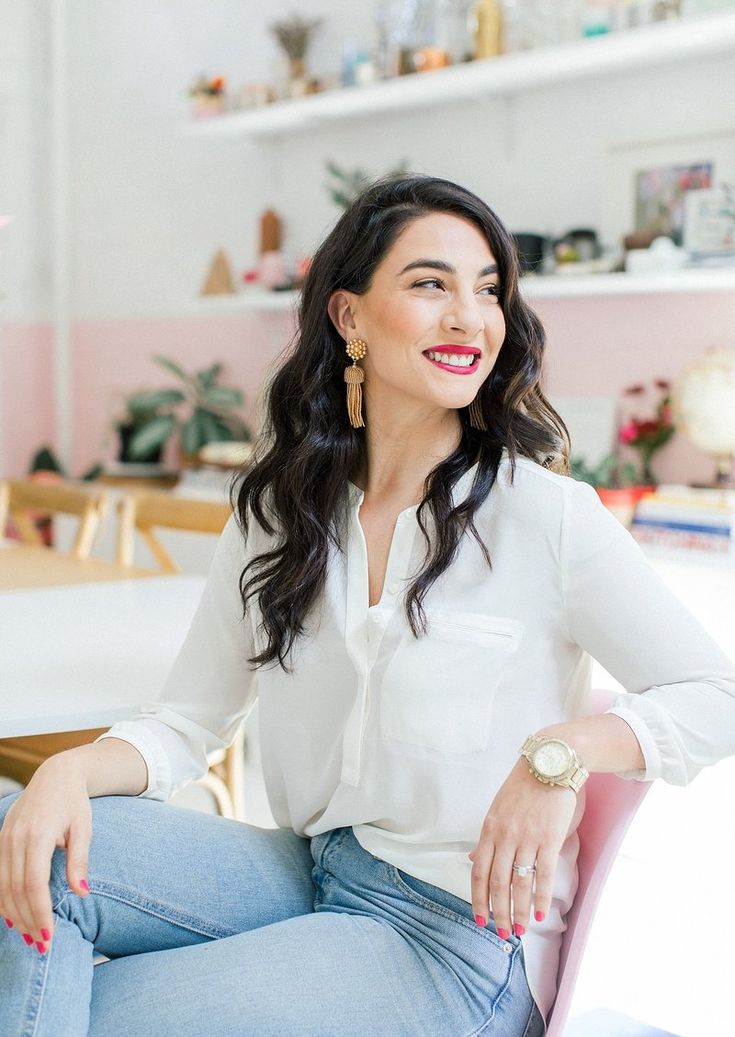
440,264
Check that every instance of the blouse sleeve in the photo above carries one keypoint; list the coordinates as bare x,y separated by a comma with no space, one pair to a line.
680,684
210,689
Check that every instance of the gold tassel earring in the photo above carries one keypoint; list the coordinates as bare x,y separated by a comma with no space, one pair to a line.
477,419
354,377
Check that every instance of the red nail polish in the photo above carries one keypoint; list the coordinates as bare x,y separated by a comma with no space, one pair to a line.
83,884
480,921
503,934
518,929
28,938
9,923
41,947
46,934
540,916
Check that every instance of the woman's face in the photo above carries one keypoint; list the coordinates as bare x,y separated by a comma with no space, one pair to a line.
437,287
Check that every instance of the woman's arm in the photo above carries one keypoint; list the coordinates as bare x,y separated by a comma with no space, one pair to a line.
210,689
604,742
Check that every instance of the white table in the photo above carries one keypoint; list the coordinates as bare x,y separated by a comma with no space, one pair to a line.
85,656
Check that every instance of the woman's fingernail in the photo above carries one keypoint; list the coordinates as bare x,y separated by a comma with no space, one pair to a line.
518,929
503,934
28,938
9,923
40,947
480,921
46,934
540,916
83,884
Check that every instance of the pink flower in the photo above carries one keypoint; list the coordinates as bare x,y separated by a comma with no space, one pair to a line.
628,432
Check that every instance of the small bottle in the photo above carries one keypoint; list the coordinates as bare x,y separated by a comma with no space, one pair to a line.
488,31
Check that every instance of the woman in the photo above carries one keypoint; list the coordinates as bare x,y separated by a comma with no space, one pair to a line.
411,588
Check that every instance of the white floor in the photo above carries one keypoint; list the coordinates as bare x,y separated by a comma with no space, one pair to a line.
660,952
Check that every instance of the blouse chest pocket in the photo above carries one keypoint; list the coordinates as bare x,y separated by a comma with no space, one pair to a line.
438,690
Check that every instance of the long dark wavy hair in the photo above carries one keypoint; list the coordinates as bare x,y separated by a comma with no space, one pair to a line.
307,450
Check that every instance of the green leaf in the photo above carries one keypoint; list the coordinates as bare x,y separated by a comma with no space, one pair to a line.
174,368
192,434
152,436
222,396
154,398
208,377
213,427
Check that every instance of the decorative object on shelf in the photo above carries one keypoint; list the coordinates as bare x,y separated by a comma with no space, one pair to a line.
251,278
709,224
270,232
454,30
531,251
208,97
487,18
219,279
660,194
426,59
703,400
294,34
200,412
349,184
648,435
662,254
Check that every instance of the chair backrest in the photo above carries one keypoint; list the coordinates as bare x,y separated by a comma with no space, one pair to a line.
610,806
23,499
145,512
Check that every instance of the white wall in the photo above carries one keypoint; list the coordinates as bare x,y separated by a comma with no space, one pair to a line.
149,206
24,158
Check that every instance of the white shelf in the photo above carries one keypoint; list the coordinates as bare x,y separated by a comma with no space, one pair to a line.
532,287
664,43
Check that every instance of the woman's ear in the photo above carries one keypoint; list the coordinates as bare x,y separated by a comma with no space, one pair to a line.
340,313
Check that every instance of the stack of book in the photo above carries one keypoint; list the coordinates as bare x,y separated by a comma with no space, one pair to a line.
677,520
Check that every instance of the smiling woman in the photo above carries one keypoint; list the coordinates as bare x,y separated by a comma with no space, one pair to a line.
425,857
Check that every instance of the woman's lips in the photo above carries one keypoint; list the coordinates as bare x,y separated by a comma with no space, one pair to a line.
452,369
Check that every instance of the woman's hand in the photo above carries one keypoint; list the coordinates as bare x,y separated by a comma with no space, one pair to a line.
52,811
527,823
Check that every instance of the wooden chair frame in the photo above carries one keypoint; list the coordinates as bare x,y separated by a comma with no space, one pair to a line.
19,497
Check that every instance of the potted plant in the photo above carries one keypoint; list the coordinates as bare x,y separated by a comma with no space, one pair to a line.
200,411
647,435
616,482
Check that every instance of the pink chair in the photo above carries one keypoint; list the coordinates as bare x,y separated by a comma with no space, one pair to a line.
611,804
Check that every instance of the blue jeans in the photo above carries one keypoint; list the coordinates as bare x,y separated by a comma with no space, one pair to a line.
215,926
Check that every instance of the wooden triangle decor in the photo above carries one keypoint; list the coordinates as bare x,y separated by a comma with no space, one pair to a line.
219,278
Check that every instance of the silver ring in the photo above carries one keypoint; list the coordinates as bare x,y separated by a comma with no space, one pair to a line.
524,869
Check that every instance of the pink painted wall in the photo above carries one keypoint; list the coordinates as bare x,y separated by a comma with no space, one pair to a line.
27,413
596,346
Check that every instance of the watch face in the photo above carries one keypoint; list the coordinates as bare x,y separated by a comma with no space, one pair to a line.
552,759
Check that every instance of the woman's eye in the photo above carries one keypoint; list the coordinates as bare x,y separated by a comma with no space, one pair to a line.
494,289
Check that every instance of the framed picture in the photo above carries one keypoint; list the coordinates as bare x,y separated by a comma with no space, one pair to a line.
647,181
709,225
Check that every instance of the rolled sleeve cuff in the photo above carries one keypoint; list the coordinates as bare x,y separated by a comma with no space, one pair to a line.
156,761
651,753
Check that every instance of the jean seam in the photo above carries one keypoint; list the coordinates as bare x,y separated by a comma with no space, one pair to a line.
158,909
482,1028
440,909
35,999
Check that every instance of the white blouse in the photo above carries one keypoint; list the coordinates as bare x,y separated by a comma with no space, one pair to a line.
407,740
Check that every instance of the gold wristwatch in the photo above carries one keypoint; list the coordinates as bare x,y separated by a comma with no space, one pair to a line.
554,762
